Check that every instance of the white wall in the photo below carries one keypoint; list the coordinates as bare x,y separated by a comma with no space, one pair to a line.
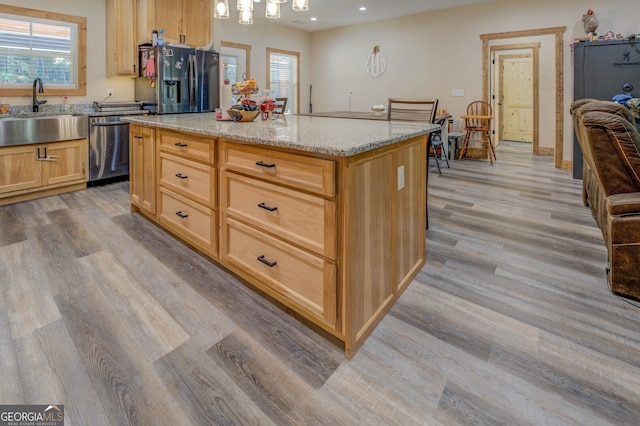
261,35
97,82
430,54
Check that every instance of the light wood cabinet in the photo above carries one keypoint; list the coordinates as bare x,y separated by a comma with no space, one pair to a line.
142,176
335,239
187,185
122,51
31,171
183,21
279,225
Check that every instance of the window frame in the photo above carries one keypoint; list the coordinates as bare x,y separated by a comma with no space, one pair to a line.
81,70
271,50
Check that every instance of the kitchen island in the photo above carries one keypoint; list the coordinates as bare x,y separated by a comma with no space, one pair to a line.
325,215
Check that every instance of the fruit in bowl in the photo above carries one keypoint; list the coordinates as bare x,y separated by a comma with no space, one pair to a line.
377,109
242,115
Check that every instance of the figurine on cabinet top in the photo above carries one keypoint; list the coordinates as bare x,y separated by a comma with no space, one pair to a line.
590,22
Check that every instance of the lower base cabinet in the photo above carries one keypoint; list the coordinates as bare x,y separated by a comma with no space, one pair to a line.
335,239
32,171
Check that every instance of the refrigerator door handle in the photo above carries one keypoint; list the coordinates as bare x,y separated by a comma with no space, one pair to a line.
190,78
196,83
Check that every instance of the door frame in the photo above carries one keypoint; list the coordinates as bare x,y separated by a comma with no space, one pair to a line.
534,49
558,32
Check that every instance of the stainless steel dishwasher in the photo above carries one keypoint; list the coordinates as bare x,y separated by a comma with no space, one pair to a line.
108,149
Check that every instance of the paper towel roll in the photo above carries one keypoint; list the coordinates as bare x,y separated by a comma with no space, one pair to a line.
226,100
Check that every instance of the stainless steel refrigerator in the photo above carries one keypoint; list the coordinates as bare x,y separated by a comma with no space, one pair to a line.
178,80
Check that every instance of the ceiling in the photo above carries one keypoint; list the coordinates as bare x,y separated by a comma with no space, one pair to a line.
340,13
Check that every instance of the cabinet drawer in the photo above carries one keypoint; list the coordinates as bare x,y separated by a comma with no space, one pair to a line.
311,174
195,181
299,277
189,220
304,219
190,146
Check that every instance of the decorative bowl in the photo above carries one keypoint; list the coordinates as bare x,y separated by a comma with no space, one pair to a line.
244,116
378,109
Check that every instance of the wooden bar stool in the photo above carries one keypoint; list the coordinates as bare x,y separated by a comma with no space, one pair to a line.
477,125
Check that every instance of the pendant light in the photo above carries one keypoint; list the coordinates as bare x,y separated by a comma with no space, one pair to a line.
300,5
245,5
278,1
272,9
221,10
246,17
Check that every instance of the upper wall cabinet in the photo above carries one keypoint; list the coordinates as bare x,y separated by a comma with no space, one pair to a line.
184,21
122,49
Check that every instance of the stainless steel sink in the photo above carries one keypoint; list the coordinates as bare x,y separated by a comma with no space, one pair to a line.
39,129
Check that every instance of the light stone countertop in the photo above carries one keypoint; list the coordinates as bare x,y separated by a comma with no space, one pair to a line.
331,136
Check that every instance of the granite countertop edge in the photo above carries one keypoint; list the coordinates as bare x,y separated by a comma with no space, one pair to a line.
375,134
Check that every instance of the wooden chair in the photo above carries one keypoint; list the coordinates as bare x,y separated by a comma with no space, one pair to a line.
281,106
477,125
412,109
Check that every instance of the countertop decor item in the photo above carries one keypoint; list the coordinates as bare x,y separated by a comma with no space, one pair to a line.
243,116
378,109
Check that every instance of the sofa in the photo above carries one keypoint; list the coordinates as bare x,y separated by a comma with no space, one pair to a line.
610,143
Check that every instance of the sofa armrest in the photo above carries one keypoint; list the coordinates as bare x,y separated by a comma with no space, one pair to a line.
623,204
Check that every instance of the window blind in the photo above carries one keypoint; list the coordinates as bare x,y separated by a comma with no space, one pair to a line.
283,78
31,47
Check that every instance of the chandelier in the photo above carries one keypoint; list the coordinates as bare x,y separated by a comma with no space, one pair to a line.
245,9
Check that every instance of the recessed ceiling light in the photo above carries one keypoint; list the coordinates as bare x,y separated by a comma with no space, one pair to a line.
362,8
313,18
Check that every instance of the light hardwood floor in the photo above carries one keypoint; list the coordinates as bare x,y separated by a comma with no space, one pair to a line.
510,322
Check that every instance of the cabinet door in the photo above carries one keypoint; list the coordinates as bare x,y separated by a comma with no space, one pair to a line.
142,180
168,15
122,53
63,162
196,22
18,168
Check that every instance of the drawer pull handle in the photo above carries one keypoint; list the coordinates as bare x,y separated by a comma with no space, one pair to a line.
137,137
266,262
266,207
263,164
181,144
181,176
182,215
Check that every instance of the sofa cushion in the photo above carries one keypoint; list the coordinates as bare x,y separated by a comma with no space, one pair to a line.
614,145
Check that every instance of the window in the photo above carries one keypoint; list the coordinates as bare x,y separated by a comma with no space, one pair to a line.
283,77
45,45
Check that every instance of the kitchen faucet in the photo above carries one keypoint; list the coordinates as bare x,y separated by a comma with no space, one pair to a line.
36,102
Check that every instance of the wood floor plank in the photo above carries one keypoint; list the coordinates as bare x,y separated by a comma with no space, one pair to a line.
140,318
73,385
604,406
83,241
11,229
308,354
10,385
509,322
200,319
208,395
272,387
28,302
